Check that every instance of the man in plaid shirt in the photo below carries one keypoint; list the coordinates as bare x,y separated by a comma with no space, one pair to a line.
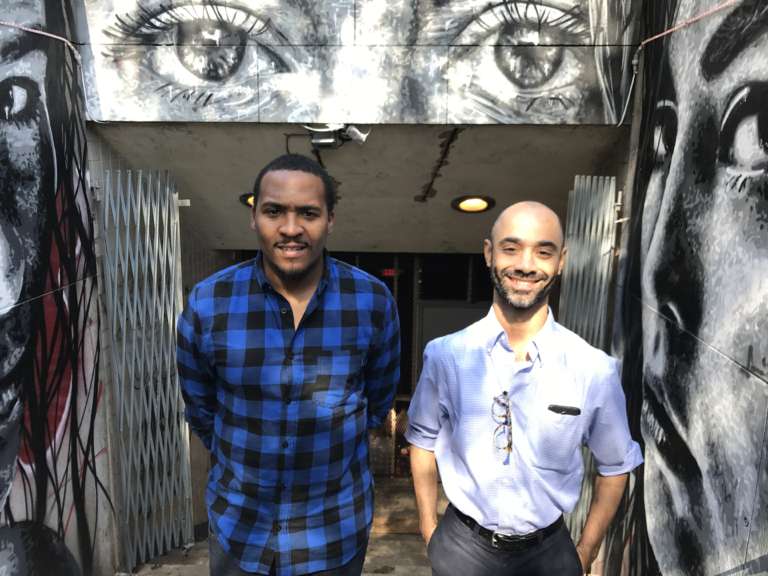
286,361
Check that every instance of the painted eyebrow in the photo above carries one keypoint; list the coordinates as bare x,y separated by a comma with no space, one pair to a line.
19,46
736,32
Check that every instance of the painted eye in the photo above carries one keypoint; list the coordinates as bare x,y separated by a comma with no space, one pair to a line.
664,132
211,50
18,99
201,52
529,67
524,59
531,44
744,131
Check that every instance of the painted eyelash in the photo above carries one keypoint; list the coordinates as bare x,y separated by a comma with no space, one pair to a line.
145,24
516,12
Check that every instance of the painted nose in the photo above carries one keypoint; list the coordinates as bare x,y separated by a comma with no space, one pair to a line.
11,275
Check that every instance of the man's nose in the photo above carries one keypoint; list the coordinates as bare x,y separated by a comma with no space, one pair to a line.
290,226
526,263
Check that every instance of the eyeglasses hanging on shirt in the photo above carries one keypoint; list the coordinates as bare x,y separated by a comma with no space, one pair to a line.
501,410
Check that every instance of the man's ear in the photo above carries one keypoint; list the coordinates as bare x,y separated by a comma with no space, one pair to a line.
253,219
488,252
563,254
331,221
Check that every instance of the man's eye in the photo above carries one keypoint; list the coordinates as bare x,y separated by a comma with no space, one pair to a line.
664,132
195,48
744,131
18,99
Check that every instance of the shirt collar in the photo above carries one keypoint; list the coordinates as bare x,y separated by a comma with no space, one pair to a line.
540,346
329,277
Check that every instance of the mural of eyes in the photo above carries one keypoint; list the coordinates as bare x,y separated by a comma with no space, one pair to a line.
201,53
19,98
744,131
536,54
664,132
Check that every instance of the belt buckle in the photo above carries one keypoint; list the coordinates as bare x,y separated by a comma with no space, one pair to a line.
495,539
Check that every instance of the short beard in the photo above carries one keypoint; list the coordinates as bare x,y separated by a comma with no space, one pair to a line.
508,297
296,275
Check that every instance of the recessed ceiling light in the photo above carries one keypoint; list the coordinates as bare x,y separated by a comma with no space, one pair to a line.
473,204
247,199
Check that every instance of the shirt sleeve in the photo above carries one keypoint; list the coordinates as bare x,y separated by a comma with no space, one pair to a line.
382,371
424,413
609,439
195,374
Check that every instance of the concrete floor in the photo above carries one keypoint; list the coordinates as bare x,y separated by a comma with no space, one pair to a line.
395,547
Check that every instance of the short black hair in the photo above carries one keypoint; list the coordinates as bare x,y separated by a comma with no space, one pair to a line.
299,163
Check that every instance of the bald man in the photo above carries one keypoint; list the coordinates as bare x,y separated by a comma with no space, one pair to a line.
503,408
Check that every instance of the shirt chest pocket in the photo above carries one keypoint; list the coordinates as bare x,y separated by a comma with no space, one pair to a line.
558,423
337,379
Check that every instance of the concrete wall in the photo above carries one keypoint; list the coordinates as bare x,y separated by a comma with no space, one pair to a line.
365,61
52,452
695,305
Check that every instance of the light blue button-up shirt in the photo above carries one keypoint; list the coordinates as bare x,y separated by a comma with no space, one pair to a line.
529,488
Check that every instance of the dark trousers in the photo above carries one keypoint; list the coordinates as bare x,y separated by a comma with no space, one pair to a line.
222,564
457,549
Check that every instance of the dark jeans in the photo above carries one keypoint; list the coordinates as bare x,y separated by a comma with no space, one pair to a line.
222,564
457,549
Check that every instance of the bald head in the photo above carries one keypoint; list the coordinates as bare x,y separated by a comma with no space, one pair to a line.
528,215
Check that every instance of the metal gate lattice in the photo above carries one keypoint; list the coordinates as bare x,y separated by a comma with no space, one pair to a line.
142,282
585,291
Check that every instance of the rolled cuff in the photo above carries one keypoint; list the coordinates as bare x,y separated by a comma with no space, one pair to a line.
632,460
419,439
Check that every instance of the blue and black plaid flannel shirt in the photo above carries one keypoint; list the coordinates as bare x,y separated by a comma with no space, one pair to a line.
285,412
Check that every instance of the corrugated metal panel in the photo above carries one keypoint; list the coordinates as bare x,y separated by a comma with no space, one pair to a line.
585,289
142,283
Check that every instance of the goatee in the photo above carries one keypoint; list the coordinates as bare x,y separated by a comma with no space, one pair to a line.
518,302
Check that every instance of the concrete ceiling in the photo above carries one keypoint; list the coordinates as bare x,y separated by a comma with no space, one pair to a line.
214,164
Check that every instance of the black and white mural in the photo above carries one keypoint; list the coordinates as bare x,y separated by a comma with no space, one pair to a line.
695,308
49,393
369,61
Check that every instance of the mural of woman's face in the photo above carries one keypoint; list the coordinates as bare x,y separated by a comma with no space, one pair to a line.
367,61
705,296
25,161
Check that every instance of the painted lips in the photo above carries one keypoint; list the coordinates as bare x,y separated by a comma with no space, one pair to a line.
659,431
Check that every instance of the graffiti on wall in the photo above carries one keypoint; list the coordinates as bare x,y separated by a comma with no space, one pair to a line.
379,61
48,308
696,307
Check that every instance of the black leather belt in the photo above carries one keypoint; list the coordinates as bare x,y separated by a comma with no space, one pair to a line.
509,542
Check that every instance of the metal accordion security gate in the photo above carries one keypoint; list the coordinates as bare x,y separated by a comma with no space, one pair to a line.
586,284
149,440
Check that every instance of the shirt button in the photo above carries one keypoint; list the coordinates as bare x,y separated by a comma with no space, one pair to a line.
285,444
283,311
287,400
